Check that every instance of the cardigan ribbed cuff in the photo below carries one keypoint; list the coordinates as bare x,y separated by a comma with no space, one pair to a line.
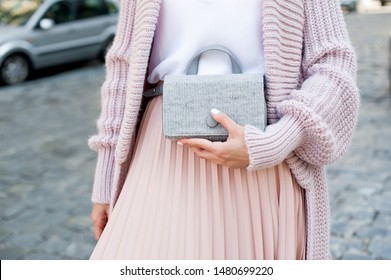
104,173
270,147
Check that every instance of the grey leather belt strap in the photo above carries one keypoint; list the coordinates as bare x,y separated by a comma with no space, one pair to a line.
158,90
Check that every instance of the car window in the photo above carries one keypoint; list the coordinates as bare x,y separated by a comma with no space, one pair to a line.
90,8
17,12
113,8
60,12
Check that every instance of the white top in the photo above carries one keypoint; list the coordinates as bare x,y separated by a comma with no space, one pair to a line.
186,26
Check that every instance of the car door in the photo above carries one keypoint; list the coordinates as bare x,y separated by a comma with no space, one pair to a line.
92,19
55,44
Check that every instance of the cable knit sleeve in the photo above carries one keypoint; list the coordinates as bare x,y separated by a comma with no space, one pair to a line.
317,120
113,95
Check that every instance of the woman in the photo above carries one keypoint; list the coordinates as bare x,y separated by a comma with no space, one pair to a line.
260,194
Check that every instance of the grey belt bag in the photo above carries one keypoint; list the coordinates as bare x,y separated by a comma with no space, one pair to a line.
188,100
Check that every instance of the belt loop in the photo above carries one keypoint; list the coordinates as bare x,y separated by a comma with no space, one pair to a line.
156,91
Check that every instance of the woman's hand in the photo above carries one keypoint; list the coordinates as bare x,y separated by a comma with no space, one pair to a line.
99,216
232,153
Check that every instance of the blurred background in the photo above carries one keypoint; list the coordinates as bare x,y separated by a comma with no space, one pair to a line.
51,70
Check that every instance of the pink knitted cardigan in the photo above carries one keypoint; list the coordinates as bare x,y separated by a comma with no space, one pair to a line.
311,93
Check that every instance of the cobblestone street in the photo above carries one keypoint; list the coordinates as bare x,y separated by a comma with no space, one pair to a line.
46,167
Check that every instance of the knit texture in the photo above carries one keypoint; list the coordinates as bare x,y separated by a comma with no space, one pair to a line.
311,92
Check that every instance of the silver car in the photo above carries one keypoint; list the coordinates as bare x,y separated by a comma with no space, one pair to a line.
40,33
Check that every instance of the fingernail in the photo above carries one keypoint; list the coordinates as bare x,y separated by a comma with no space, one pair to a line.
179,143
214,111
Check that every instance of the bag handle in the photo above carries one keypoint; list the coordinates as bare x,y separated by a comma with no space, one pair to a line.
192,69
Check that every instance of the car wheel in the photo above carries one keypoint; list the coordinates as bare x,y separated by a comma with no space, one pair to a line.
15,69
106,49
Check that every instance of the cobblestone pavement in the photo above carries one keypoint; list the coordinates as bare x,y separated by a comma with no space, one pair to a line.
360,183
46,168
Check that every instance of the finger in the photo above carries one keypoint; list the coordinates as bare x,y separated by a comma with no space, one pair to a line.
224,120
206,155
99,225
98,231
198,143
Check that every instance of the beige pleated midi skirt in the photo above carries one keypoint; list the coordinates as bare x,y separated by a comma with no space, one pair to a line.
175,205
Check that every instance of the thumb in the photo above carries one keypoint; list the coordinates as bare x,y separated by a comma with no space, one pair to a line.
224,120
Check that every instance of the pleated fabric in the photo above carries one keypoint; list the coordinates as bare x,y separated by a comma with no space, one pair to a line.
175,205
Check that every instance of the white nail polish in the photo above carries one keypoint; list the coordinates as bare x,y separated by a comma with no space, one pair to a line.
214,111
179,143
